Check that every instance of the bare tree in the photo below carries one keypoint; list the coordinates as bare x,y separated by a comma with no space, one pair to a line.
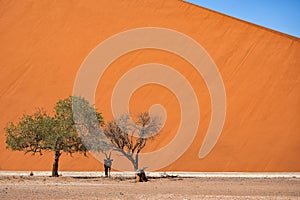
130,137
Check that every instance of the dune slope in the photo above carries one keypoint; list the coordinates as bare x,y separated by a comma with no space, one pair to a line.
44,43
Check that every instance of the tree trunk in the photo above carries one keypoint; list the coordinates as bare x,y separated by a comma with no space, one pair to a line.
55,164
131,159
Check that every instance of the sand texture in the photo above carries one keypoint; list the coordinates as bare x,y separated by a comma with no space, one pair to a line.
44,43
163,188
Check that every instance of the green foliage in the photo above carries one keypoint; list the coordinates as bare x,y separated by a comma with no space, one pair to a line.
66,137
39,131
87,122
30,132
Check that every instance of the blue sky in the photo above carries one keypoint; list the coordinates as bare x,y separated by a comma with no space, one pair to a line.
279,15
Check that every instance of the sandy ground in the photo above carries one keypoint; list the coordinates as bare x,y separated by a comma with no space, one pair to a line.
13,187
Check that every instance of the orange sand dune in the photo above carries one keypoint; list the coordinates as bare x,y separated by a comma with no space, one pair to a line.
43,44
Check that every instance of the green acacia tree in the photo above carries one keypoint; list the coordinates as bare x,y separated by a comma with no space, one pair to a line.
29,133
40,132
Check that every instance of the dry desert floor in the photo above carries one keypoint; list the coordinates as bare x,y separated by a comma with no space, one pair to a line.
18,187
